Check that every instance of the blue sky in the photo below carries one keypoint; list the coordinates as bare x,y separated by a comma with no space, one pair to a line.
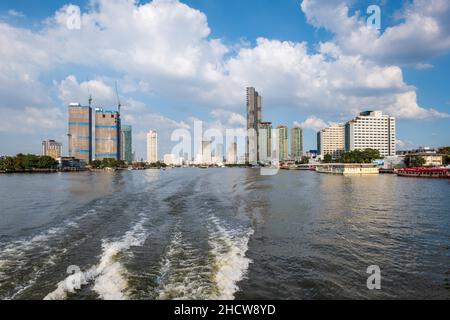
314,64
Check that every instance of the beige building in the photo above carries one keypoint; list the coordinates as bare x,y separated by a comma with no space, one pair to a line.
206,152
80,132
152,146
107,134
331,141
170,160
431,160
52,149
232,153
372,130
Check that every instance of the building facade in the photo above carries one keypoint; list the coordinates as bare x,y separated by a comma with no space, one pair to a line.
206,152
126,143
254,116
152,146
265,142
296,144
371,130
170,160
232,153
52,149
283,143
80,132
331,141
107,134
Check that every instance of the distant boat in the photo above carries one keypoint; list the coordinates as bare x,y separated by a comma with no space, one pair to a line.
203,167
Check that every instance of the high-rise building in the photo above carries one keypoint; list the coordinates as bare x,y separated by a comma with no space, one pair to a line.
206,152
331,141
126,143
296,143
80,132
371,130
107,134
170,159
52,149
232,153
265,142
152,146
254,116
283,143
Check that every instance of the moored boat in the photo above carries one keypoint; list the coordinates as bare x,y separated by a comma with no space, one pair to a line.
435,173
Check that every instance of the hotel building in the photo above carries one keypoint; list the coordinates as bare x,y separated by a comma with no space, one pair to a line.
371,130
80,132
331,141
107,134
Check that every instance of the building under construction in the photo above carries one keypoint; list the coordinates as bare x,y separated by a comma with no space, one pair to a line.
107,134
80,132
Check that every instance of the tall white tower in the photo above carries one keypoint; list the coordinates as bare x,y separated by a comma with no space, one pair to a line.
152,146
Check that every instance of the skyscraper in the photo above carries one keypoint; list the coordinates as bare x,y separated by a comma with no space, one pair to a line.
371,130
52,149
254,116
331,141
80,132
152,146
126,145
296,143
107,134
283,143
265,142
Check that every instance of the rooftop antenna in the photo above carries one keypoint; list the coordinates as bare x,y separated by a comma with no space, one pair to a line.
119,105
90,95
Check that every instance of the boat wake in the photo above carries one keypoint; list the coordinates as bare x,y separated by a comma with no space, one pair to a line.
107,278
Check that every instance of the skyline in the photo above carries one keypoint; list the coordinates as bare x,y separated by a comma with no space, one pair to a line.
198,65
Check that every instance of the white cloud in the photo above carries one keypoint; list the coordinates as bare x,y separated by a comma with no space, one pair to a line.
230,118
313,123
15,13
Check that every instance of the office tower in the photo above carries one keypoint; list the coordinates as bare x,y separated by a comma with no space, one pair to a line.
126,145
52,149
107,134
218,154
283,143
331,141
152,146
232,153
296,143
254,116
265,142
80,132
206,152
371,130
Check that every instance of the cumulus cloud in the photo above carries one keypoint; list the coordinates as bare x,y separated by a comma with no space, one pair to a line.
313,123
423,33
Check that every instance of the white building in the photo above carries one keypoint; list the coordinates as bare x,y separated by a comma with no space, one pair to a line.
371,130
152,146
206,153
232,153
170,160
331,141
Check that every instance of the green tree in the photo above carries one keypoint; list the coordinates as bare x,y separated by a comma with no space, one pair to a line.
328,158
415,161
446,152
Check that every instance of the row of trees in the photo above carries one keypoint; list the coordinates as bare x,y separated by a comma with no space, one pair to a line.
108,163
27,162
445,151
356,156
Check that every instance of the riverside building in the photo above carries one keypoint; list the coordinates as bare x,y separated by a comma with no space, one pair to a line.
371,130
331,141
80,132
52,149
107,134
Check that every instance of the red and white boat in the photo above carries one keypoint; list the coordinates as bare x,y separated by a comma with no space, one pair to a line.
435,173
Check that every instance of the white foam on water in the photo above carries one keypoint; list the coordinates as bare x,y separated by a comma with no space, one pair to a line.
229,248
182,275
109,275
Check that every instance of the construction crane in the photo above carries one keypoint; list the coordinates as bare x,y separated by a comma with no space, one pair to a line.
119,105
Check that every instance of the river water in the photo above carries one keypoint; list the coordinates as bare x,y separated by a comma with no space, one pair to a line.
222,234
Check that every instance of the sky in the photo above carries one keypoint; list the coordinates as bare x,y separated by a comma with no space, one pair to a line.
314,62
